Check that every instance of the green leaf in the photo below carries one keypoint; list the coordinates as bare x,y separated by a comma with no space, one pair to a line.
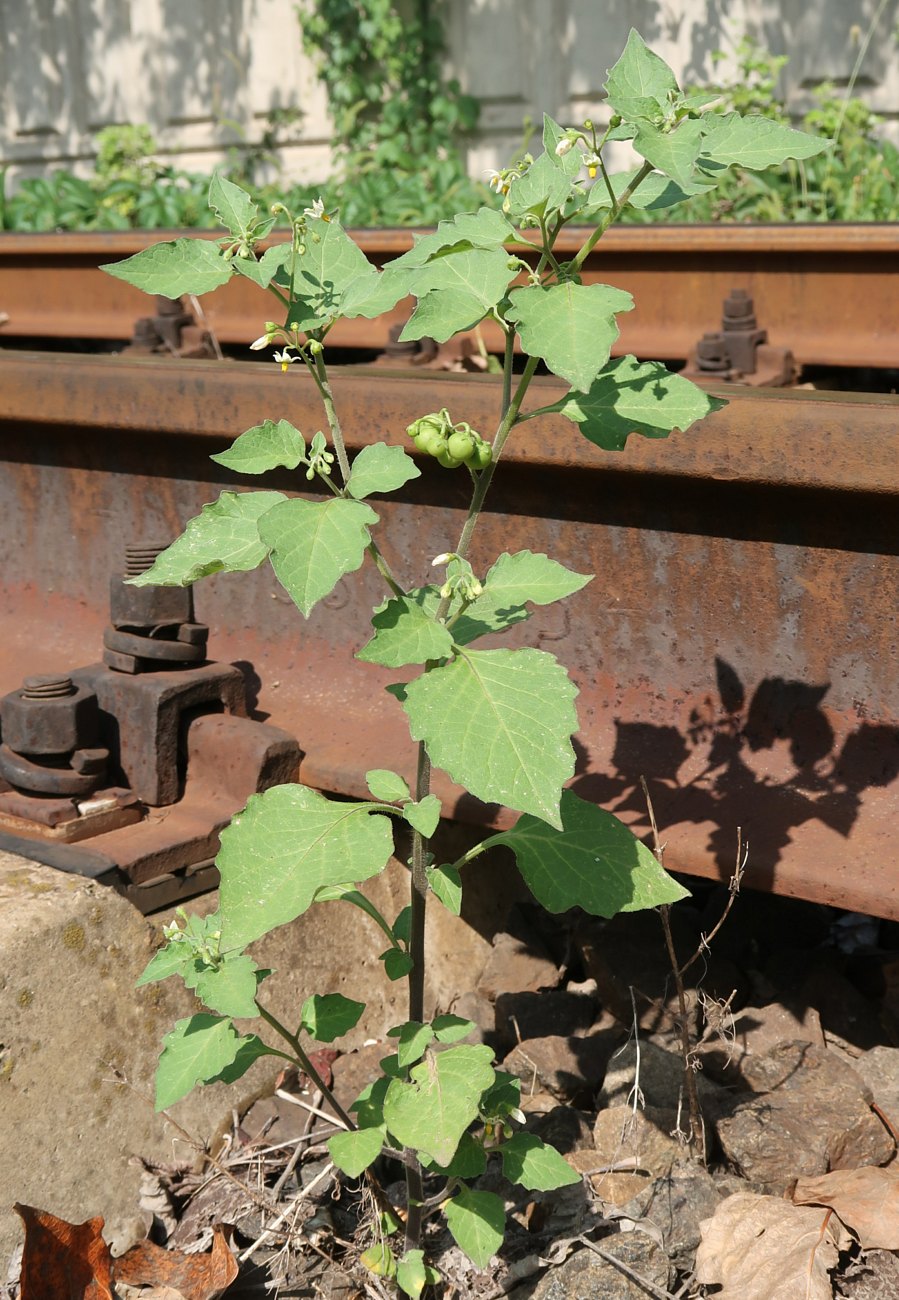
450,1029
330,1016
354,1152
413,1274
570,162
674,152
314,544
571,326
249,1052
379,1260
654,192
469,1161
284,846
640,84
347,894
443,313
543,188
431,1113
174,267
502,1099
230,986
264,447
233,206
196,1051
414,1038
369,1105
446,884
373,294
175,958
424,816
756,142
270,263
397,964
510,582
593,862
477,1221
468,284
324,273
405,634
485,228
386,786
224,537
380,468
499,722
534,1165
635,397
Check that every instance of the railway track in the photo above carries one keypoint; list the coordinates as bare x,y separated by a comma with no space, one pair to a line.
827,293
737,648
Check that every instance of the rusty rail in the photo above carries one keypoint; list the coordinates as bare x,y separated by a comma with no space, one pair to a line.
827,292
737,647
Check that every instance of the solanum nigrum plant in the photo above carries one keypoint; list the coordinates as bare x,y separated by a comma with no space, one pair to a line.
498,721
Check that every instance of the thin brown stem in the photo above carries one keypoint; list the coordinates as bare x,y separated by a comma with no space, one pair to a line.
733,889
697,1128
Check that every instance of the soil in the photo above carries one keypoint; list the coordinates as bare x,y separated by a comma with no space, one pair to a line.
793,1025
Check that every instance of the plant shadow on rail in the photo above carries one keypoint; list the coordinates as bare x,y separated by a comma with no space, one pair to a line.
734,786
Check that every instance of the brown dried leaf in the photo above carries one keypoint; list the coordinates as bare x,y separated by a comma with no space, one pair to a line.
197,1277
867,1200
68,1261
763,1248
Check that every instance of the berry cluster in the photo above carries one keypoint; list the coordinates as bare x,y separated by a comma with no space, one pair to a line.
451,444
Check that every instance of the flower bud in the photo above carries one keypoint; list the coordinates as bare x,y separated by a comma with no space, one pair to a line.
615,120
315,347
564,146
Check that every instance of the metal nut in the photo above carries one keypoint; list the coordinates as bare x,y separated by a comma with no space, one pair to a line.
50,725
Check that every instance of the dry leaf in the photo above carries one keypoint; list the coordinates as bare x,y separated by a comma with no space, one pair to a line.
763,1248
867,1200
197,1277
68,1261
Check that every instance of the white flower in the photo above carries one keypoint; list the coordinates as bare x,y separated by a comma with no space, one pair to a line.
285,358
317,210
262,342
564,146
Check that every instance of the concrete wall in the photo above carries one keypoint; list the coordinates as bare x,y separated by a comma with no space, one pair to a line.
205,74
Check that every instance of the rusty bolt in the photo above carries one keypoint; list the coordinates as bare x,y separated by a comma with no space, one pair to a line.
712,353
49,715
146,607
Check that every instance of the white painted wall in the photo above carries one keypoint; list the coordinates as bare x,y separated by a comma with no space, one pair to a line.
204,74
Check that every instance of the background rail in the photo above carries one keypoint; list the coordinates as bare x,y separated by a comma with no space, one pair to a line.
829,293
737,647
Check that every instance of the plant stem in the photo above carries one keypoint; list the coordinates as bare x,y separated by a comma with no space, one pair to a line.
302,1058
320,375
418,901
510,415
593,239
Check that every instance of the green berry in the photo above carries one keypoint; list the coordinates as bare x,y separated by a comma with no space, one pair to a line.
460,445
482,455
431,441
448,461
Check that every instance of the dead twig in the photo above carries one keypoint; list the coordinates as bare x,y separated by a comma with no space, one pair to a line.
285,1215
697,1127
659,1293
294,1159
733,887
